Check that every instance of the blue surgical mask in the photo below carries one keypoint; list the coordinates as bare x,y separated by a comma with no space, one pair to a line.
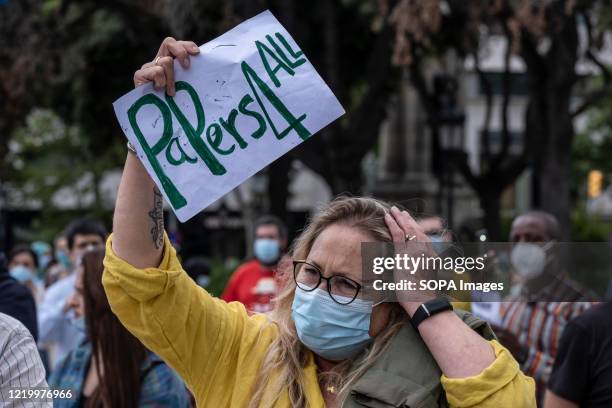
267,251
331,330
43,261
42,250
438,243
22,274
78,323
63,258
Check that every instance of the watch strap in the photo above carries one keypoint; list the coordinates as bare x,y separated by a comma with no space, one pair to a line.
428,309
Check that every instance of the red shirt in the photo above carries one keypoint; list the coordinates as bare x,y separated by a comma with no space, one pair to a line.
253,285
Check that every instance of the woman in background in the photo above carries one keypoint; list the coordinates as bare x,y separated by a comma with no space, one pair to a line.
23,266
111,368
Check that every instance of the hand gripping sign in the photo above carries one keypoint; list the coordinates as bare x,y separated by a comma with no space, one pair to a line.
249,97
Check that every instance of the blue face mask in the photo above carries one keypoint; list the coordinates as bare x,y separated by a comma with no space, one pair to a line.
63,258
267,251
22,274
331,330
78,323
42,250
438,243
43,261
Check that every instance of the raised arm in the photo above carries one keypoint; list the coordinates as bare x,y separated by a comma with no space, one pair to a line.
156,300
138,223
476,372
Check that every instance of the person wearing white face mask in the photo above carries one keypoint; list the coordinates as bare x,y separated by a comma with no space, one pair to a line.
531,329
255,283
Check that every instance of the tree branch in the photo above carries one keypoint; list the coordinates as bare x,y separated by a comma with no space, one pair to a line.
486,85
589,52
592,99
510,172
379,88
533,60
461,164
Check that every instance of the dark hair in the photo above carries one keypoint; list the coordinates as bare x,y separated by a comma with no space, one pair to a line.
196,266
123,353
3,266
84,226
20,249
271,220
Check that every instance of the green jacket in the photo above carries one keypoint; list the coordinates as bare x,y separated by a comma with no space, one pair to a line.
413,381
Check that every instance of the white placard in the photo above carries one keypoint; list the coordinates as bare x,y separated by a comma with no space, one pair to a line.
249,97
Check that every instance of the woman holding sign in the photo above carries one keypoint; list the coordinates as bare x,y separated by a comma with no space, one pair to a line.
324,345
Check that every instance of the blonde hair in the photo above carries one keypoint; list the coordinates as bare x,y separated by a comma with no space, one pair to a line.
284,362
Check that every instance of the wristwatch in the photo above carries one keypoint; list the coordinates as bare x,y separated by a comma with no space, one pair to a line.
131,148
428,309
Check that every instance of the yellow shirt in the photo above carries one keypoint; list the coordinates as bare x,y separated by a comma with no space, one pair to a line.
217,348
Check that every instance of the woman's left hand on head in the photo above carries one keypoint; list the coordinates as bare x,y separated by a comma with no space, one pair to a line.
410,239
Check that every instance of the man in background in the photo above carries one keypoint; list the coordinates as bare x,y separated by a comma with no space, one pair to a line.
532,324
21,368
441,239
61,253
435,228
254,282
55,322
582,373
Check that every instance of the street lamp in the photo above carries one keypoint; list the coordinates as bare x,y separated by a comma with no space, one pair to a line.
448,137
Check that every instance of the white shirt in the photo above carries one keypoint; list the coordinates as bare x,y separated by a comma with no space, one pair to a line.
21,368
54,326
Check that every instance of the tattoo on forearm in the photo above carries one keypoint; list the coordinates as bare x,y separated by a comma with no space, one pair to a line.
157,216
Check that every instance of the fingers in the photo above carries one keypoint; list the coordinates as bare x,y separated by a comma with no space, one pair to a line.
408,225
190,47
150,73
181,50
397,234
161,71
167,63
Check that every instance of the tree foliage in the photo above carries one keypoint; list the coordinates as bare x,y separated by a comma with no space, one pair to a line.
592,147
545,35
64,62
76,58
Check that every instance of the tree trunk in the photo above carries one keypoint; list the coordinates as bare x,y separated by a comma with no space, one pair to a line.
555,164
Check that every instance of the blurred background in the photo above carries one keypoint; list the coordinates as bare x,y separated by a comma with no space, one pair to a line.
475,111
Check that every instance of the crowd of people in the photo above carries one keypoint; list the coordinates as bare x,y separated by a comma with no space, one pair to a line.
56,312
119,321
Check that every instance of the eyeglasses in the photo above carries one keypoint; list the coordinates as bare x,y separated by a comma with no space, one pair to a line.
341,289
